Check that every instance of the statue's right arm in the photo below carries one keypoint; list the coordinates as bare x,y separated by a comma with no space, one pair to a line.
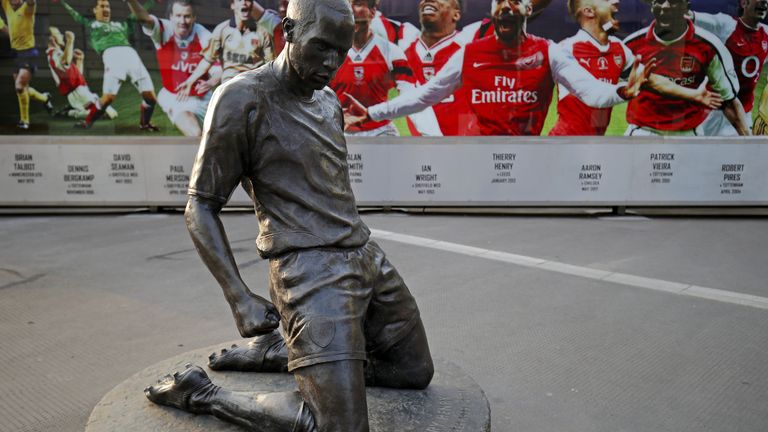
218,169
253,314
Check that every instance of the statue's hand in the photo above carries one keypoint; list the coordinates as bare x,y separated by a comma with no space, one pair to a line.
255,315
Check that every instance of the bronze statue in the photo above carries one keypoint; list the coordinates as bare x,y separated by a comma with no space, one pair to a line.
348,318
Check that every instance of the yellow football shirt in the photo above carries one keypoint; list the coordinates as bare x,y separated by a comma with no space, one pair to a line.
21,25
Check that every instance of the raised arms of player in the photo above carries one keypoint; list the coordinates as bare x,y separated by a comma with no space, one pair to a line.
75,14
3,27
141,14
216,173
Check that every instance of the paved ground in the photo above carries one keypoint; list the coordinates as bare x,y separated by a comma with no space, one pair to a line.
87,301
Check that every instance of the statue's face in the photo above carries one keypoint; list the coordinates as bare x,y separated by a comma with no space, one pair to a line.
182,19
509,17
102,11
319,49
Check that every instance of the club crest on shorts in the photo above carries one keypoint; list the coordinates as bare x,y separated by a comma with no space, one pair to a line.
429,72
359,72
686,64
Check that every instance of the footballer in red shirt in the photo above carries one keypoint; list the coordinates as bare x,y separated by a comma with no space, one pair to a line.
507,79
747,40
179,42
602,55
428,54
688,56
372,67
66,65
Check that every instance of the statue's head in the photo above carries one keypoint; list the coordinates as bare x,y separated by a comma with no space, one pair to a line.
318,35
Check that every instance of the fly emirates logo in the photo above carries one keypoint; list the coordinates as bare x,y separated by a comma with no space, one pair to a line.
504,92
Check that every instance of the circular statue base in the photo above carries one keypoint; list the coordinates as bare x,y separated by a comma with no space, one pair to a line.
453,402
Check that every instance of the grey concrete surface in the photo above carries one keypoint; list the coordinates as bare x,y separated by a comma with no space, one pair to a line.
87,301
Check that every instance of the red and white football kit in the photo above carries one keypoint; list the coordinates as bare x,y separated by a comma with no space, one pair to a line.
400,33
606,63
686,61
507,89
368,75
71,83
428,61
749,48
177,59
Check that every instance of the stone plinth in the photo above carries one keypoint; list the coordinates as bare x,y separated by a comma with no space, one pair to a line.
453,402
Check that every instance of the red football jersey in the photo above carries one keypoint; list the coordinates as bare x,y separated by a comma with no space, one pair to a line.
67,78
604,62
687,61
426,62
370,73
748,47
508,89
177,58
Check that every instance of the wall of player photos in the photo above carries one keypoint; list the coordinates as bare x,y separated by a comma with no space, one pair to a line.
458,102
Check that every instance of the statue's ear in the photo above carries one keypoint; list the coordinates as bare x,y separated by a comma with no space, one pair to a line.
289,26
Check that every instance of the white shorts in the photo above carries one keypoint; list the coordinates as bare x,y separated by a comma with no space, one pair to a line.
173,108
388,129
80,97
717,124
634,130
123,63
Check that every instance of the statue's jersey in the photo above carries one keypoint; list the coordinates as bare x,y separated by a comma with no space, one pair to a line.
426,63
239,51
606,63
66,77
370,73
687,61
508,89
748,47
177,58
293,152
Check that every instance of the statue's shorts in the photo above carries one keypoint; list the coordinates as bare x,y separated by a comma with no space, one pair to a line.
340,304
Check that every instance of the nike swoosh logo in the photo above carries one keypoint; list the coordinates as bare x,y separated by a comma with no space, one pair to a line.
477,65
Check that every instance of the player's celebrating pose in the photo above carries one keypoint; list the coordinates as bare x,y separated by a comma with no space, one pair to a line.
747,40
179,42
371,68
508,79
431,51
688,56
240,44
21,29
121,62
66,64
607,59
